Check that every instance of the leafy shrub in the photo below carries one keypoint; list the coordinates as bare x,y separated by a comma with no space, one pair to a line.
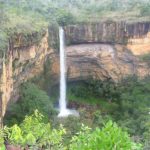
2,136
96,88
131,96
15,135
64,17
109,137
35,133
72,125
31,98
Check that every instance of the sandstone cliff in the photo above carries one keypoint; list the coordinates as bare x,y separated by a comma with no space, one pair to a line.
136,36
102,50
24,61
105,50
101,61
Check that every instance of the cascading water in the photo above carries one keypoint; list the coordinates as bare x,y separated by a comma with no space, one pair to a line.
62,100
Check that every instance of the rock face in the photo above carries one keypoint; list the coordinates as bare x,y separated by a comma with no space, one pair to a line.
106,32
23,62
106,50
6,85
102,50
28,61
136,36
102,61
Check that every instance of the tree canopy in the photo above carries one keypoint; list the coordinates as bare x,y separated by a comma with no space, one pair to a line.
28,16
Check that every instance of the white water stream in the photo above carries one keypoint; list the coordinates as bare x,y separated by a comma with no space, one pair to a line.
64,112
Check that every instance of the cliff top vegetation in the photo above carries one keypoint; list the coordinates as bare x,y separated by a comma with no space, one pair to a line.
28,16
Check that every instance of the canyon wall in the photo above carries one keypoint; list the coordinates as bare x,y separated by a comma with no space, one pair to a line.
23,61
106,50
136,36
102,50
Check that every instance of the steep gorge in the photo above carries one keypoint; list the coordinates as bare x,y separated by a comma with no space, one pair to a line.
102,50
24,61
106,50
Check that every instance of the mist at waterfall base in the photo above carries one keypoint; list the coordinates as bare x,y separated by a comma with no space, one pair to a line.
64,112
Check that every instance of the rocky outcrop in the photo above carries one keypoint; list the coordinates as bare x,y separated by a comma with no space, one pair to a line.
102,50
24,61
28,61
106,32
135,35
101,61
6,85
139,45
105,50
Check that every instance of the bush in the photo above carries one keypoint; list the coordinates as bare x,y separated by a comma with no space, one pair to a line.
35,133
31,98
2,136
131,96
109,137
64,17
96,88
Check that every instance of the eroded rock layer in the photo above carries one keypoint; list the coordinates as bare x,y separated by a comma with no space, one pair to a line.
24,61
102,50
102,61
106,32
136,36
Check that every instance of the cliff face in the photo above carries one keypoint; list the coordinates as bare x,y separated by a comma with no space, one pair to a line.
105,50
24,61
135,35
105,32
28,61
103,61
6,84
100,61
101,50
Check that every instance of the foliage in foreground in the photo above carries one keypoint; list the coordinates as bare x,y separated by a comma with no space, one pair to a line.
2,136
34,133
109,137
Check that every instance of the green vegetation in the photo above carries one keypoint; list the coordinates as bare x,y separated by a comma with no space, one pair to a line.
2,136
109,137
126,102
27,17
145,10
35,133
31,98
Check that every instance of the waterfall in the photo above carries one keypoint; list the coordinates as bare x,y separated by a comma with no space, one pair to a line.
62,100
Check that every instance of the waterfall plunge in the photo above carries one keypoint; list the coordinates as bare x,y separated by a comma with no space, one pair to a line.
64,112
